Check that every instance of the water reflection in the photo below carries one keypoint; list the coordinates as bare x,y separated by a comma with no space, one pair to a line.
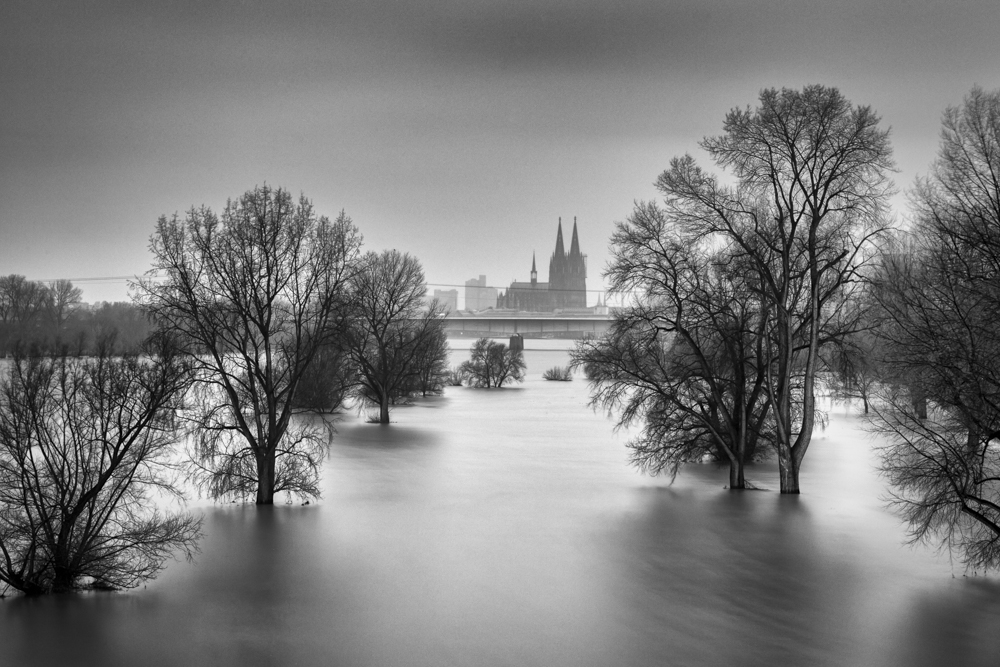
504,527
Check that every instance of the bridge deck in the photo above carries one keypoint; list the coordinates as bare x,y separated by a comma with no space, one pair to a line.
529,327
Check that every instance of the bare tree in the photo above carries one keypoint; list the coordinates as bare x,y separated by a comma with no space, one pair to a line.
328,380
431,360
390,334
807,208
254,294
84,446
21,300
685,359
852,361
492,364
21,303
61,298
939,296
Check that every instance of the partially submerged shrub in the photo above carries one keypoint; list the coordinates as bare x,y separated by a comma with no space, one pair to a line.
492,364
558,374
454,378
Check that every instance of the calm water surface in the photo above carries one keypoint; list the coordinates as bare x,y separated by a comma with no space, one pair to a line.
504,527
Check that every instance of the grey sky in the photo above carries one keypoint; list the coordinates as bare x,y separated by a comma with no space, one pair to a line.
456,130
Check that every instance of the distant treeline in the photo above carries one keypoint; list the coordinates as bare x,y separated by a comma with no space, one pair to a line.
39,318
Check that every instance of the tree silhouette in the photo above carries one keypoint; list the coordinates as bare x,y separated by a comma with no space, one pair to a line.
253,294
84,445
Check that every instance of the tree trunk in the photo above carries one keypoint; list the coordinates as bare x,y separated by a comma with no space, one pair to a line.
62,574
788,471
29,588
919,400
736,478
383,410
63,579
265,479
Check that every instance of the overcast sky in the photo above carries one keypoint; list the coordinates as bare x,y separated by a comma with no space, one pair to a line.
456,130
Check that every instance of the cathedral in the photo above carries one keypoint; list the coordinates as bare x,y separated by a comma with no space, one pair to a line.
567,286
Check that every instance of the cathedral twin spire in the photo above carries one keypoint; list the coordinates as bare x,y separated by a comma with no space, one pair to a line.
567,273
574,248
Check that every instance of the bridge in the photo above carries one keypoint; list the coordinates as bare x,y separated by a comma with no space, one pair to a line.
530,326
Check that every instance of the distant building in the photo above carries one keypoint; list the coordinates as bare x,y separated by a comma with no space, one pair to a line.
448,298
600,308
478,296
567,285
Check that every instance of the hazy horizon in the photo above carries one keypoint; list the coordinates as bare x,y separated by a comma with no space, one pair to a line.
456,131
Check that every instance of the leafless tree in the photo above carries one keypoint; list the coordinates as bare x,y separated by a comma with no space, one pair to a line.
431,359
492,364
85,447
939,295
60,300
21,300
253,294
328,380
803,217
686,359
21,303
390,333
852,367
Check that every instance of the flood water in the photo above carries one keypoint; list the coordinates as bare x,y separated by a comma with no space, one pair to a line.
505,527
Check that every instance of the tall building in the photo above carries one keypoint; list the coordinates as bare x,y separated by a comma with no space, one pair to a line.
448,298
478,296
567,285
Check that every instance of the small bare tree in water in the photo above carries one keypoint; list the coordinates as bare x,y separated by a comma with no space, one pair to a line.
253,294
85,446
392,339
852,368
939,297
492,364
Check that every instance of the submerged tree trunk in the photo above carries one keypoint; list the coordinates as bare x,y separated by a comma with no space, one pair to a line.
63,580
736,477
383,410
265,478
63,574
788,472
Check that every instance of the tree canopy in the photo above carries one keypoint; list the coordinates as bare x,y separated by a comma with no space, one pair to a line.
492,364
938,295
84,446
253,294
801,221
396,344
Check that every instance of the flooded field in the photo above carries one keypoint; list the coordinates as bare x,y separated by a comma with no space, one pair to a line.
505,527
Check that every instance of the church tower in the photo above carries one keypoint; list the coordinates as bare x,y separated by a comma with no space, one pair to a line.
576,274
568,272
557,272
567,285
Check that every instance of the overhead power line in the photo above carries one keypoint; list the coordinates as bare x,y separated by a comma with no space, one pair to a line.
124,279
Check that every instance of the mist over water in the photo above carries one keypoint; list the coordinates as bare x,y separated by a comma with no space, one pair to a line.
505,527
